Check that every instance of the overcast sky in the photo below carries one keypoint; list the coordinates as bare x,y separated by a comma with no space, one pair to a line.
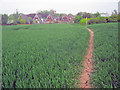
61,6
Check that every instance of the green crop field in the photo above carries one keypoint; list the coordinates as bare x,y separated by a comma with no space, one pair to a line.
51,55
105,53
47,55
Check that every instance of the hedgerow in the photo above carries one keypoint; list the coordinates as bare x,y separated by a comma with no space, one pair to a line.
113,18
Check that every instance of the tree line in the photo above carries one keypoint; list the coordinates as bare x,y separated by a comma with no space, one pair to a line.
95,18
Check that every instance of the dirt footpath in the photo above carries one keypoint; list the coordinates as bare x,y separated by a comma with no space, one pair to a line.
88,68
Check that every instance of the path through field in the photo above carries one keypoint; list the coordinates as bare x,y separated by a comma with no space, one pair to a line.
85,76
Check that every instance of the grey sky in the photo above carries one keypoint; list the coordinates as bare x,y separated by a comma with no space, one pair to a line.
61,6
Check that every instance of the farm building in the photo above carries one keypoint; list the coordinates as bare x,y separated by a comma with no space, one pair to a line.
104,14
65,18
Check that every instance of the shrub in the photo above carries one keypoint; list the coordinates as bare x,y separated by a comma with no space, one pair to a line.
22,21
119,18
36,21
83,21
54,21
102,20
77,19
113,18
4,19
31,20
92,21
97,20
50,22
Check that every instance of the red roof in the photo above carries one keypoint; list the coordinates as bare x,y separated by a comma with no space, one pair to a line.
31,15
65,19
70,18
49,18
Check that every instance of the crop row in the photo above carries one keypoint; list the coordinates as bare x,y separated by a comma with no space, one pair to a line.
106,74
43,55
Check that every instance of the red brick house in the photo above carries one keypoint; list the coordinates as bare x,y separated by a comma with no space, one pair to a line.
57,19
65,18
49,18
37,19
46,18
71,19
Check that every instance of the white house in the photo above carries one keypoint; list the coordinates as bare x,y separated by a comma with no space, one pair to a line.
104,14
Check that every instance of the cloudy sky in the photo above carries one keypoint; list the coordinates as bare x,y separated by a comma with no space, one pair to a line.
61,6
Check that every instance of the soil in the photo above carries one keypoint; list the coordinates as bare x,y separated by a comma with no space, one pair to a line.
23,24
88,68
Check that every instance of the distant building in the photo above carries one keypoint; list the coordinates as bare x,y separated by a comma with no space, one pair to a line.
49,18
41,18
44,15
37,19
65,18
71,19
104,14
57,19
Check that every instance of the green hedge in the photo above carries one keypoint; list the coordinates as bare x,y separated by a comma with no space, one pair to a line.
119,18
77,19
97,20
83,21
113,18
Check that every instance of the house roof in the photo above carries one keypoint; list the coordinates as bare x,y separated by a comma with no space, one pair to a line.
44,15
50,16
39,15
31,15
65,18
56,17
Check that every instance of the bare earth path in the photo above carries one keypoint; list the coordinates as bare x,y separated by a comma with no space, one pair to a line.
85,76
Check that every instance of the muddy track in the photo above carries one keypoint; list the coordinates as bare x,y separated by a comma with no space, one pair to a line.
88,68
